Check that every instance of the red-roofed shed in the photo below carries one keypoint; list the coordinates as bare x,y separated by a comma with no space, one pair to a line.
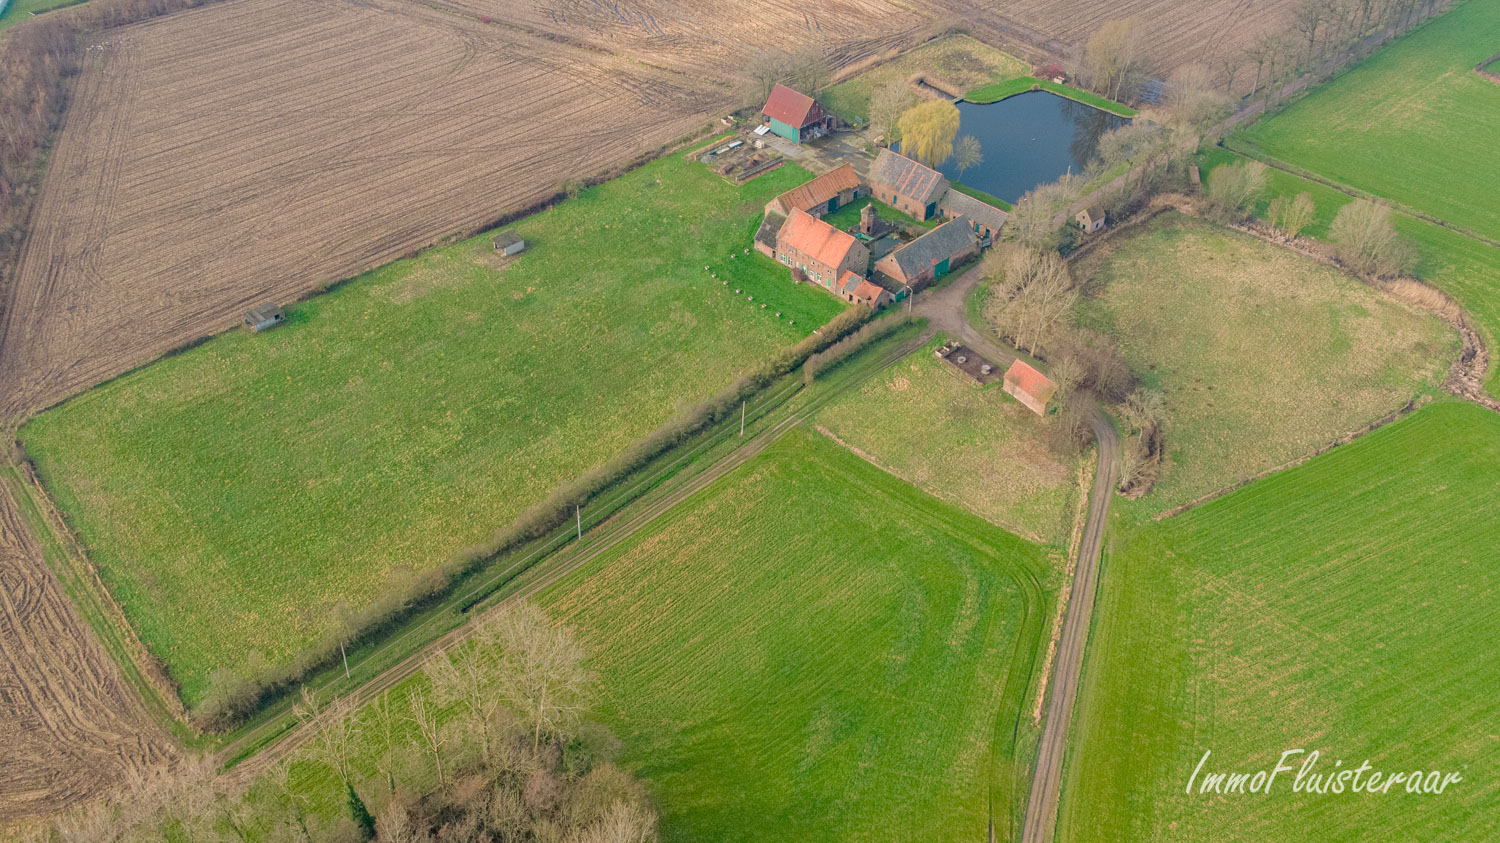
1029,386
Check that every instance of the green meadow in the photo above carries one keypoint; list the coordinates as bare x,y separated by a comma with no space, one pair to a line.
241,496
811,649
1342,606
1260,354
931,424
1461,266
1413,123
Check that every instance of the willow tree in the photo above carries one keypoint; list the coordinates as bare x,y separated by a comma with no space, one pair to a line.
928,130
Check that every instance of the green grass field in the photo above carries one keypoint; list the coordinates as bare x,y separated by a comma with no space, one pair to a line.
1262,355
848,216
959,60
1459,265
814,650
20,11
1343,606
1412,123
998,91
235,495
931,424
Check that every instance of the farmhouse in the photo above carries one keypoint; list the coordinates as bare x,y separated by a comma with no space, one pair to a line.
794,115
1029,386
264,317
823,195
1090,219
509,243
906,185
983,217
932,255
819,250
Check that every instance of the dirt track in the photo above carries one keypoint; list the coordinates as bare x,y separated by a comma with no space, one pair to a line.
69,726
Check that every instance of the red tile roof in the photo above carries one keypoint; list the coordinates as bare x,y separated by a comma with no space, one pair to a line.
820,190
1021,376
795,109
815,238
868,292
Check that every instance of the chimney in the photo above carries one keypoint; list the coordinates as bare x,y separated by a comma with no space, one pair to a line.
868,220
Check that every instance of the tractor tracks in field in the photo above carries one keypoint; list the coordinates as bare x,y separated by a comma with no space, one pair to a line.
600,540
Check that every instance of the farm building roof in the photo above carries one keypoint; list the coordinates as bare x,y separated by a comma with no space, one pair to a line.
849,282
907,177
1093,212
957,204
793,108
1023,377
815,238
868,292
506,239
935,246
263,313
820,190
769,228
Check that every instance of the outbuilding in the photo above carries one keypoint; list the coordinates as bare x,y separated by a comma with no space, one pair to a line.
264,317
795,115
1090,219
509,243
1029,386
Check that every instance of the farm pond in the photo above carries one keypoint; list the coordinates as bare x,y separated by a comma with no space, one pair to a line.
1029,139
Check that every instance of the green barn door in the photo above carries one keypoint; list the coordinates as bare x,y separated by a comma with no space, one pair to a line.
833,204
941,269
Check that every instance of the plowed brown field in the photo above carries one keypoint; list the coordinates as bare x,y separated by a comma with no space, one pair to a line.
69,725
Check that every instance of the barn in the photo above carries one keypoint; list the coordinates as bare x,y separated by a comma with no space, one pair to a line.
983,217
1029,386
823,195
932,255
906,185
795,115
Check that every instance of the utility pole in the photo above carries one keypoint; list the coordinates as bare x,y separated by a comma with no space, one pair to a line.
742,418
346,660
578,513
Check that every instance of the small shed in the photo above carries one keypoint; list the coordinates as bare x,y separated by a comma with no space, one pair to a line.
264,317
1029,386
1090,219
509,243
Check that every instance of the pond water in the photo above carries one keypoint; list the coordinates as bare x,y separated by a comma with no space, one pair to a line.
1029,139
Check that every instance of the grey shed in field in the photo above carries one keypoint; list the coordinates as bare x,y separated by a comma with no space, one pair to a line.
509,243
264,317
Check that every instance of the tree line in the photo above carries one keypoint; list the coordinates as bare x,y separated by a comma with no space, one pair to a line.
492,744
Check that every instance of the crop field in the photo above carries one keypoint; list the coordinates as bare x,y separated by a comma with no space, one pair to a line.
814,650
929,423
18,11
1334,607
236,495
244,152
70,726
1413,123
1261,355
1460,265
960,60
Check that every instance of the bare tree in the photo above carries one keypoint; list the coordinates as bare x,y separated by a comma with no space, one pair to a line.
625,822
1366,242
1290,215
1112,56
468,678
1031,293
1234,188
335,733
1037,218
887,104
541,673
967,154
424,717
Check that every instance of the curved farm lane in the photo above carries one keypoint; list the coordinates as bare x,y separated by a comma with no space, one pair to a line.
946,310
